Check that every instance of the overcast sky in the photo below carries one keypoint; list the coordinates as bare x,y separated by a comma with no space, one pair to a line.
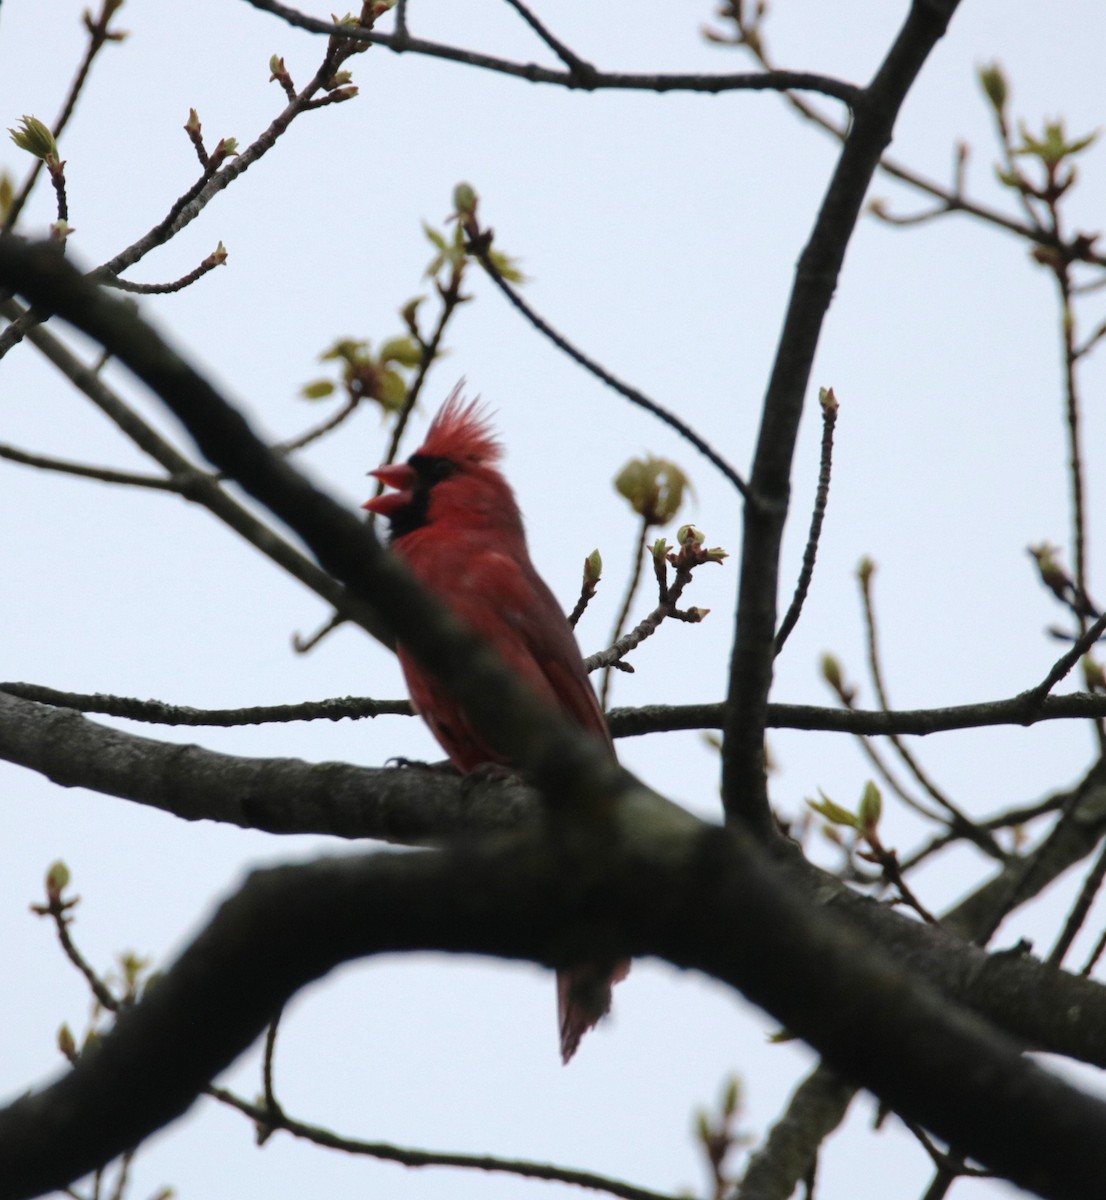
660,233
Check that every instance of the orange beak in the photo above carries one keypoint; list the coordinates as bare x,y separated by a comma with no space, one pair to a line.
394,475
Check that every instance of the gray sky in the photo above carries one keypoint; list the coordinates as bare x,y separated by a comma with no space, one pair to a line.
660,233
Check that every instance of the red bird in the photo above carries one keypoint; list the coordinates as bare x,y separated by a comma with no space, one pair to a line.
455,521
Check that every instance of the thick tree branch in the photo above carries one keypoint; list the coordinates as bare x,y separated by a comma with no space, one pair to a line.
641,893
278,795
874,113
414,806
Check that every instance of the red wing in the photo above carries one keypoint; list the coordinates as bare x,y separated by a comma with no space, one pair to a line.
508,603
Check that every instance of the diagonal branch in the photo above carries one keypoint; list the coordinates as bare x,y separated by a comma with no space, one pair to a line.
872,1020
744,783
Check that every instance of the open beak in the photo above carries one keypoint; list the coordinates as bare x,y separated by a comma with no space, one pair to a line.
394,475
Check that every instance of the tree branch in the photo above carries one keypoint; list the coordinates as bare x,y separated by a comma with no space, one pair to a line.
641,893
771,81
874,113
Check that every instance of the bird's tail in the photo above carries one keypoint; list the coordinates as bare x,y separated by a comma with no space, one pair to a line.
583,997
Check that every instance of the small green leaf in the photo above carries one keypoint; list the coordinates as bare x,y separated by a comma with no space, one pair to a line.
319,390
389,391
35,137
654,487
834,813
403,350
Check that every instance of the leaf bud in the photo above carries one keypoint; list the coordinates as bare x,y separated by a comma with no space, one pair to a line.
831,672
465,200
36,138
67,1043
57,879
593,568
1093,674
993,81
871,805
654,487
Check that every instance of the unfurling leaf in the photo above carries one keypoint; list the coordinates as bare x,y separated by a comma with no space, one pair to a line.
35,137
654,487
834,813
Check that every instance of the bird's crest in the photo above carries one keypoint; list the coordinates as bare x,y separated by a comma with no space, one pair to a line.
462,432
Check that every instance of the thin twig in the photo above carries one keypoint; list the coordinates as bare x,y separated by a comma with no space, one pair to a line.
1080,909
215,259
1065,662
627,603
98,37
429,1158
632,394
960,821
87,471
157,712
582,69
402,42
829,420
324,427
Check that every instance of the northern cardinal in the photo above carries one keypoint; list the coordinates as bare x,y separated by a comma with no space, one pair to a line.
455,521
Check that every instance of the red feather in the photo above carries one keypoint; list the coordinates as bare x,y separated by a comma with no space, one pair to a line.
455,521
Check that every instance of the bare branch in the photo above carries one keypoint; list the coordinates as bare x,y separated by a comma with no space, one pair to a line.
409,1157
829,421
637,894
481,249
743,773
402,42
87,471
576,65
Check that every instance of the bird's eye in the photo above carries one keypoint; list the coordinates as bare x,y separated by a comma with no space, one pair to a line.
431,468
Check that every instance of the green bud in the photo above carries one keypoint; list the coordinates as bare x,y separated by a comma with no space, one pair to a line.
689,535
1093,674
57,879
826,398
993,82
865,569
465,200
731,1099
871,805
593,567
831,672
192,125
67,1043
35,138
